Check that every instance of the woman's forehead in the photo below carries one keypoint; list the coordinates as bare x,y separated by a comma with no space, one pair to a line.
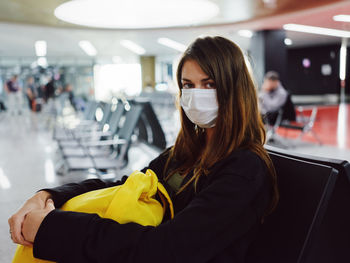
191,69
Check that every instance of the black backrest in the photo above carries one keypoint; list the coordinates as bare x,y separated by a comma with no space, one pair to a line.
289,109
89,112
149,126
131,118
288,234
117,112
333,241
106,109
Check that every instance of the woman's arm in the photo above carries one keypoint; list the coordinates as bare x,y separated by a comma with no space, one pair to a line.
219,215
62,194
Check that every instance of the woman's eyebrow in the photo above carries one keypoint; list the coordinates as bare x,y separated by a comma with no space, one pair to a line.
202,80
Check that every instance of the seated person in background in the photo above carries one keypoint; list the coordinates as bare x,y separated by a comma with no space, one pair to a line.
219,176
272,97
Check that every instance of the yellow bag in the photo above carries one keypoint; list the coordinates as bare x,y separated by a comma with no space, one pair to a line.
131,202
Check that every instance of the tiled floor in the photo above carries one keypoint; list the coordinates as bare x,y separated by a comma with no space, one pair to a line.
27,160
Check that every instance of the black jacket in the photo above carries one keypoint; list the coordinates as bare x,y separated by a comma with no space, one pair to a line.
214,224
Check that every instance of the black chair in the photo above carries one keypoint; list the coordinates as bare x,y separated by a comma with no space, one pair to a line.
75,148
333,240
289,233
87,119
90,127
150,130
286,112
121,143
303,123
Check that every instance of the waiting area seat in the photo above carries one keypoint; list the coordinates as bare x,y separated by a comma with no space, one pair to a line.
303,123
333,239
111,152
311,221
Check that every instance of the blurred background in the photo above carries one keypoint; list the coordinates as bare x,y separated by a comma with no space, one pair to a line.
101,74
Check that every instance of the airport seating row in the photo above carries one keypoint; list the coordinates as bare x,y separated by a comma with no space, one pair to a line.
101,140
311,221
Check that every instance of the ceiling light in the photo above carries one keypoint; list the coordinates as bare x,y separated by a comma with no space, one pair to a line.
40,48
288,41
136,13
317,30
133,47
245,33
342,18
88,48
172,44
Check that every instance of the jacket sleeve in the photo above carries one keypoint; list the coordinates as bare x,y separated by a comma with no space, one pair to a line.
218,216
62,194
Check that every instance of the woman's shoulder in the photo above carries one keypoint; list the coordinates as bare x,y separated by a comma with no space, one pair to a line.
158,163
241,162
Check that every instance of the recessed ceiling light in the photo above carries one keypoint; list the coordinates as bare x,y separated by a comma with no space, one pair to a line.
133,47
172,44
88,48
245,33
136,13
342,18
317,30
288,41
40,48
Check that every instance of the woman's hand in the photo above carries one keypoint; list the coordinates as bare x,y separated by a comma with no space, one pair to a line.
33,221
37,202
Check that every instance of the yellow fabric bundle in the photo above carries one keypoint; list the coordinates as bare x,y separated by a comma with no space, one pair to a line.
134,201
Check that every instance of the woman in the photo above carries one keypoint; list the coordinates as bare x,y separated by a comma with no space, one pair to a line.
220,178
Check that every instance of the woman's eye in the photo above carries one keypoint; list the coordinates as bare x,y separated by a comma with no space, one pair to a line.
187,86
210,85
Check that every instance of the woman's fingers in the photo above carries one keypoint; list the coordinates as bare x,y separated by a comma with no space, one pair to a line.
15,223
38,202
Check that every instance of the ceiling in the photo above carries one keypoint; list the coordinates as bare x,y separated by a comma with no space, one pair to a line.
22,22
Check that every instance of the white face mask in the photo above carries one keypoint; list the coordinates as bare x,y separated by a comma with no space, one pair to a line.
200,106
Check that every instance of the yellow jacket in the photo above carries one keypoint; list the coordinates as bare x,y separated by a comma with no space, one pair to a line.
134,201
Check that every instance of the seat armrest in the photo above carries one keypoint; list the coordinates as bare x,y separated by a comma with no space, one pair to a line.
105,143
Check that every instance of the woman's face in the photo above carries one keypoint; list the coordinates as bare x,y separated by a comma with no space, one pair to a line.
193,77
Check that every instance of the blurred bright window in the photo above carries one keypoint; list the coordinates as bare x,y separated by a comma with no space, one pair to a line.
117,79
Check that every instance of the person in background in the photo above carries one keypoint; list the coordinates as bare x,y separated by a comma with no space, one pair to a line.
14,93
219,176
31,92
272,97
49,89
69,89
2,106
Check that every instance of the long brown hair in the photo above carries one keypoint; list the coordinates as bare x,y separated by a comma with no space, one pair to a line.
238,124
